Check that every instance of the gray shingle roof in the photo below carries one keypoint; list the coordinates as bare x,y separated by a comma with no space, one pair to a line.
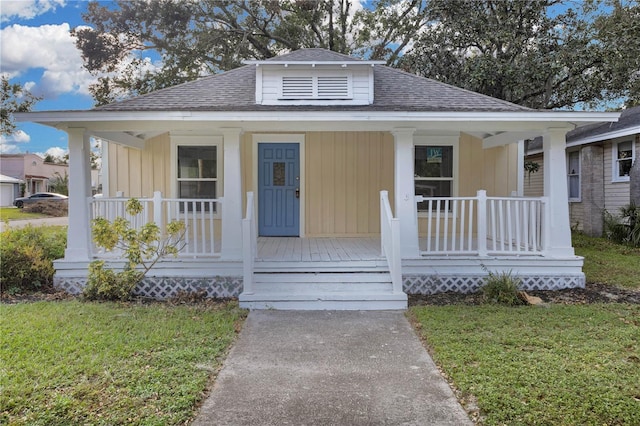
315,55
234,90
630,117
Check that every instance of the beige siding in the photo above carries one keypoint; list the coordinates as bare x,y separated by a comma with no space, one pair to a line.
534,182
494,170
139,173
345,172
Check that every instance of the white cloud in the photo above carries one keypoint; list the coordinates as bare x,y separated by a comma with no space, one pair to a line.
56,151
47,47
9,144
27,9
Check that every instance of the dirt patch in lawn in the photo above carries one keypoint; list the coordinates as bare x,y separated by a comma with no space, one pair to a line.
592,293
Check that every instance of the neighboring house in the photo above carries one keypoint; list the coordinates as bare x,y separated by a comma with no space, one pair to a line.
599,161
9,190
314,180
32,169
37,174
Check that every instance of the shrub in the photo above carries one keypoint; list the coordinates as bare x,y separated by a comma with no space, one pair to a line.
503,288
106,284
50,208
141,247
624,229
27,255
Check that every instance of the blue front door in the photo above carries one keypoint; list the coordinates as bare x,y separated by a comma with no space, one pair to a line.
279,189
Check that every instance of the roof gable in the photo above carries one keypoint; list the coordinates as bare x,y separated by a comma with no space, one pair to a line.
394,90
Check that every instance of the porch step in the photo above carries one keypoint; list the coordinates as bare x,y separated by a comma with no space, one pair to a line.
323,291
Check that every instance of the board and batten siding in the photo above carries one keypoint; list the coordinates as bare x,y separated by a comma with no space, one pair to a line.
272,80
345,172
138,173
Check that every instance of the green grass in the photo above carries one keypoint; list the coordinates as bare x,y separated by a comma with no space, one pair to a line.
607,262
562,365
12,213
64,363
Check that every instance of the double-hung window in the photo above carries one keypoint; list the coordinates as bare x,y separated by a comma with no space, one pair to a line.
623,156
197,173
573,175
434,172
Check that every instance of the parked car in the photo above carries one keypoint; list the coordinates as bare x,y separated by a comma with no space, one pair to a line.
40,196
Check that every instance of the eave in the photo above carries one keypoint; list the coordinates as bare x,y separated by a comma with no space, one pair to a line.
605,136
55,118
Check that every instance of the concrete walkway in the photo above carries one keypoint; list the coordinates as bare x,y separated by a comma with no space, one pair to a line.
330,368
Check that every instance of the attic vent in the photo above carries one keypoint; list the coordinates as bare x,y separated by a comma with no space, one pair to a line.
333,87
316,87
297,87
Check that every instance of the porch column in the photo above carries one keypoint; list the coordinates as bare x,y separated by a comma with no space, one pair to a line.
79,230
555,188
232,197
404,192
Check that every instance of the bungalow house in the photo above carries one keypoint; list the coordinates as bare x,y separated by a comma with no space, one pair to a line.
599,159
315,180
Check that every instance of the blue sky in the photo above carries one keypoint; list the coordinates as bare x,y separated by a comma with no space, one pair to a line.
37,51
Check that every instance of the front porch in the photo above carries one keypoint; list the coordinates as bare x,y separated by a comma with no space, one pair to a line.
463,239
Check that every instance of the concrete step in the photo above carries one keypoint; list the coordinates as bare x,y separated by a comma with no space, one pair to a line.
319,283
327,301
323,291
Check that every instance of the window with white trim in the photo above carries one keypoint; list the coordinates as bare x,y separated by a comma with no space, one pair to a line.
623,156
197,172
433,171
573,175
325,86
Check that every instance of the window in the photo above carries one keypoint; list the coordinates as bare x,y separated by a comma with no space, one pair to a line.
434,174
197,173
623,156
573,175
327,87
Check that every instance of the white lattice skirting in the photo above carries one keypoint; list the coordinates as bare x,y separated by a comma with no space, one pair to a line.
166,288
433,284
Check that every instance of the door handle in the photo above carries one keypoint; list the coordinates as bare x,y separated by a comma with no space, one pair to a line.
297,192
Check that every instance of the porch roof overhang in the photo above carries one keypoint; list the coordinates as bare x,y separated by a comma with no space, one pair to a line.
495,128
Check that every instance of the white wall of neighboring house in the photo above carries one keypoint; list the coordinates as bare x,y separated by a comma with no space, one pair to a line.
9,190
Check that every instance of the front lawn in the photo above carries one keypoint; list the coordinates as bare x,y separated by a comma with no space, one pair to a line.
606,262
13,213
561,365
84,363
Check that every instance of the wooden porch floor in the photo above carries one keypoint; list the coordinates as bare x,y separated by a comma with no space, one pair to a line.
347,249
294,249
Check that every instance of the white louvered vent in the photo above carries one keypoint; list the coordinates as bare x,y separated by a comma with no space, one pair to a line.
297,87
316,87
336,87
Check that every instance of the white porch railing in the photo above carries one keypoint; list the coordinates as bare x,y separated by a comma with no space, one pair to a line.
390,241
249,245
200,217
484,225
